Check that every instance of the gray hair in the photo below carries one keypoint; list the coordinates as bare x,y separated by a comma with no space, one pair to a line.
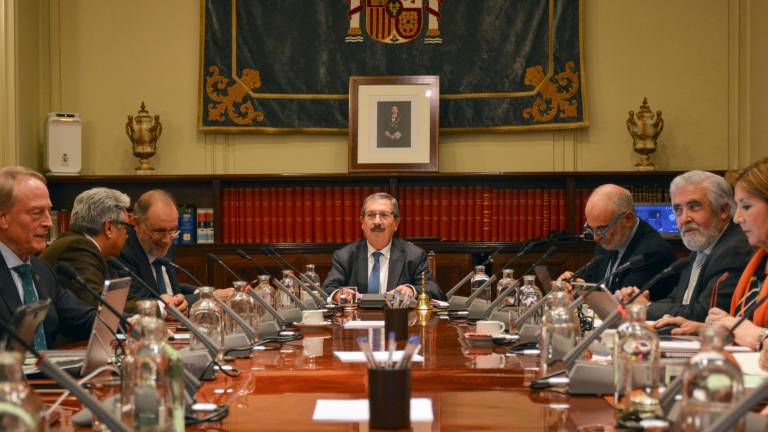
381,196
92,208
8,176
145,201
719,192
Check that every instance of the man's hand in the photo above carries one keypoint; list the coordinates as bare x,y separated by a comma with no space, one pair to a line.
684,326
745,335
340,291
181,303
565,276
624,294
404,290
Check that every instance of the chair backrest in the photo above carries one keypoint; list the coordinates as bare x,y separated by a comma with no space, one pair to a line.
432,264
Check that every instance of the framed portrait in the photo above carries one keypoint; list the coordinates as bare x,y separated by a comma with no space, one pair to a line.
393,123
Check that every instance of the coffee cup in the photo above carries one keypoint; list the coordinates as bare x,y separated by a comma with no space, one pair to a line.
312,317
489,327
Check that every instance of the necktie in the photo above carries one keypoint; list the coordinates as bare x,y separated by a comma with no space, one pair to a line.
30,296
612,258
374,280
695,270
159,277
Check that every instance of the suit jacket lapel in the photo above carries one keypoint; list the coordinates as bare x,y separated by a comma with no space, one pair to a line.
8,291
396,263
361,272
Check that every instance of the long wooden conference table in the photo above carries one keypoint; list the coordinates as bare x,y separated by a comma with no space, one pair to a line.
470,388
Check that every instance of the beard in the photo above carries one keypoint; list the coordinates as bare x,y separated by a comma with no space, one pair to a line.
699,239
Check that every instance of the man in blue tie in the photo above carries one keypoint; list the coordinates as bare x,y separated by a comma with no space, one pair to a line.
25,220
380,263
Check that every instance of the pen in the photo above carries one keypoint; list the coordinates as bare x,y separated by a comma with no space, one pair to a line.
365,347
390,350
410,348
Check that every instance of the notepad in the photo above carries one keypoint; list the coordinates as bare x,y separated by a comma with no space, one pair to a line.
353,325
380,356
694,346
356,410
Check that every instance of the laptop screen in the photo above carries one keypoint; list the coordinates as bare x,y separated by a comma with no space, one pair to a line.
659,216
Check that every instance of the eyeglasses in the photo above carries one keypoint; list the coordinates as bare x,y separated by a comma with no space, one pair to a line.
603,230
123,224
384,216
159,233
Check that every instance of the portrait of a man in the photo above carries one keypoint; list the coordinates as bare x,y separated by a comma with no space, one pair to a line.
394,124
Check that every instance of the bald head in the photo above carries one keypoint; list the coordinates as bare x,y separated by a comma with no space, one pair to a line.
610,209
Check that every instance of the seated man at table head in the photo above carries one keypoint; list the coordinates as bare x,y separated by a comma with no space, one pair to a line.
380,263
25,220
621,235
703,206
98,230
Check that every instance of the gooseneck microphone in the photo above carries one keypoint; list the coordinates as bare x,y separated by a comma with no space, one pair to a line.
314,303
466,278
213,349
70,273
65,381
272,252
597,259
217,260
633,262
168,263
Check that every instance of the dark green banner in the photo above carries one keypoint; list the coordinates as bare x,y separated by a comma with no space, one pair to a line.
284,65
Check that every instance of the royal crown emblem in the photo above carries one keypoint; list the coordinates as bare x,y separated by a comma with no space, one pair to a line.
394,21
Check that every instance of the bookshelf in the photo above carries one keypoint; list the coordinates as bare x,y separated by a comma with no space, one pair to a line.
460,216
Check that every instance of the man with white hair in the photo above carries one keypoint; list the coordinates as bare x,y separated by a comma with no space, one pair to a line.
703,206
98,230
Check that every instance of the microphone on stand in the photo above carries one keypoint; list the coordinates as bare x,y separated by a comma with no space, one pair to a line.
466,278
597,259
65,381
274,254
281,317
635,261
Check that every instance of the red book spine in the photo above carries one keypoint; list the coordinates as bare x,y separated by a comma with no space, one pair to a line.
405,212
309,214
290,216
357,203
554,221
330,235
298,210
266,215
486,226
236,216
426,215
281,215
453,192
249,215
462,213
274,214
538,215
435,211
524,197
418,212
477,219
579,209
507,215
495,205
349,214
445,213
562,212
470,214
258,221
516,215
338,214
545,212
319,215
226,229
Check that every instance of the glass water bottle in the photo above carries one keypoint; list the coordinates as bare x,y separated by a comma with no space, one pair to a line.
313,277
636,367
243,305
478,280
529,295
507,280
288,282
712,381
266,292
152,396
560,330
208,316
20,407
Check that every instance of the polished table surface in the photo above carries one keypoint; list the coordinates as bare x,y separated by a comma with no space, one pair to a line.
470,388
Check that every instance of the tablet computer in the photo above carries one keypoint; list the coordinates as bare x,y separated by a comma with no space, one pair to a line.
102,340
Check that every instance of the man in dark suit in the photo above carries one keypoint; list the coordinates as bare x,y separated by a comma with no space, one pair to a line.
25,220
98,230
155,227
703,206
621,235
380,263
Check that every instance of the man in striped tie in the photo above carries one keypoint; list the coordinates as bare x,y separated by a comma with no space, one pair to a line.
380,263
703,206
25,219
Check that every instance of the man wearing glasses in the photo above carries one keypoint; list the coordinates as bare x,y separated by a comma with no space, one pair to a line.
620,235
98,230
155,228
380,263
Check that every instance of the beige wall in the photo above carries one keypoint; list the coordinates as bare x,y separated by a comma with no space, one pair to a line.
698,61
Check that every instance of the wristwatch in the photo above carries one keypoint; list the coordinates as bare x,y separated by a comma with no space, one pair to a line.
761,336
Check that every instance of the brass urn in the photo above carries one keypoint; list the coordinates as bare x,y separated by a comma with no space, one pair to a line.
143,131
645,130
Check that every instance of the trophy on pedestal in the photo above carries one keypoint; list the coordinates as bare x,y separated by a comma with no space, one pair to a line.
143,131
644,130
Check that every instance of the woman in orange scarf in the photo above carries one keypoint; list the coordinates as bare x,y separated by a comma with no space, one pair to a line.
752,215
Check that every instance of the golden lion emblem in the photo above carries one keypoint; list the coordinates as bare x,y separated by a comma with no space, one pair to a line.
554,94
229,98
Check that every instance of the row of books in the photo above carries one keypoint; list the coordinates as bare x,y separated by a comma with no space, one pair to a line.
448,213
649,193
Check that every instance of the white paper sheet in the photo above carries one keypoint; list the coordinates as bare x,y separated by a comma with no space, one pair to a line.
353,325
356,410
750,363
694,346
380,356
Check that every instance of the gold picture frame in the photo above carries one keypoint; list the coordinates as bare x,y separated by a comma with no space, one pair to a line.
394,123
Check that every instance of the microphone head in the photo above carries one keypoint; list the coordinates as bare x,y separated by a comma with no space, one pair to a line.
166,262
214,258
241,253
117,264
636,260
267,251
597,259
66,270
549,253
679,265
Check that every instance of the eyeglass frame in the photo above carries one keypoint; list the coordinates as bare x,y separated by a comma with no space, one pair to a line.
162,232
384,216
602,231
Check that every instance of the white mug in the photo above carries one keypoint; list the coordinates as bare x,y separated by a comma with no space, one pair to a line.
489,327
491,361
312,317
